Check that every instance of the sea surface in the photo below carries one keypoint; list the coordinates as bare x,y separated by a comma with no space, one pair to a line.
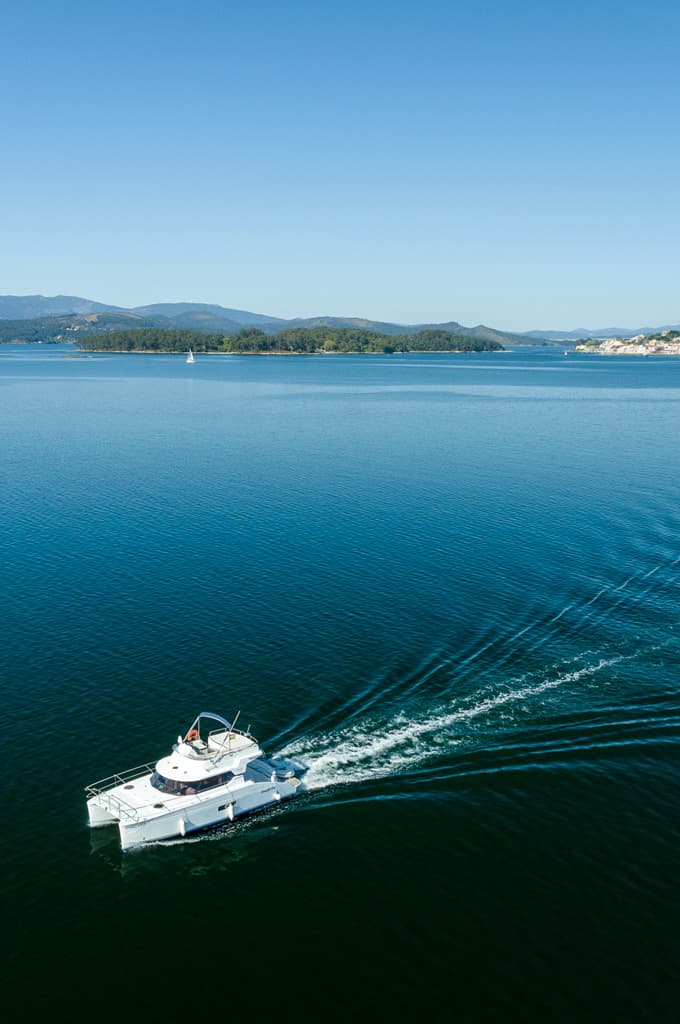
450,583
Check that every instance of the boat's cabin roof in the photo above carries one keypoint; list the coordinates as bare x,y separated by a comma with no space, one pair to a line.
203,752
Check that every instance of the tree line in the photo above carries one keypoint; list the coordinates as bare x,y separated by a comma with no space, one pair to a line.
298,340
39,329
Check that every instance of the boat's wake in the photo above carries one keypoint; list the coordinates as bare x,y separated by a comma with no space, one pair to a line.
366,744
428,718
370,749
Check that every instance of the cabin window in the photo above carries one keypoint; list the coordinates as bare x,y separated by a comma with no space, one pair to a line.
172,786
177,788
213,781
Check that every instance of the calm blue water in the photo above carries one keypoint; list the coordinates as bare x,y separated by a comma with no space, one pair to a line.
450,583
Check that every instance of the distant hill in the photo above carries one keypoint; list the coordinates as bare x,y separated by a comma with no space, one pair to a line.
480,332
351,322
49,329
504,337
199,320
581,333
27,307
208,317
215,319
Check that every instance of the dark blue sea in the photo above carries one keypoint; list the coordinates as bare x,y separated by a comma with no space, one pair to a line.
450,583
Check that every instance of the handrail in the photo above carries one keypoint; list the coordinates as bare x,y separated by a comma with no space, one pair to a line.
95,788
120,807
223,748
123,809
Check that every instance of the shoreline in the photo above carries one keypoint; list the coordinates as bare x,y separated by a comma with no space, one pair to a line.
627,350
356,352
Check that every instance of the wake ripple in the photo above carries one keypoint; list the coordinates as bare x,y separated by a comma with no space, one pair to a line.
370,749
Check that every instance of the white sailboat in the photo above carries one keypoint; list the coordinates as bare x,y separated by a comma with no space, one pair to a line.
190,357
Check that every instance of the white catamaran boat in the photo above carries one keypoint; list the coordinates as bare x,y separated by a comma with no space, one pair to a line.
210,778
190,357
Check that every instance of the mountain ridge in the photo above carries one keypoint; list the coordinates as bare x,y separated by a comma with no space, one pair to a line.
581,333
34,312
213,318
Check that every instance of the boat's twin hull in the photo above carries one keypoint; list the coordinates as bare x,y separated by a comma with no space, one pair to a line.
182,820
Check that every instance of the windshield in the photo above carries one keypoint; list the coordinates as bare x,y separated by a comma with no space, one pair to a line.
177,788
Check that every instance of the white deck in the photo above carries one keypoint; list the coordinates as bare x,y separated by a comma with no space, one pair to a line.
233,742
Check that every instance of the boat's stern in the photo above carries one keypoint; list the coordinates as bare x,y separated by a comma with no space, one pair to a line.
100,814
118,797
287,768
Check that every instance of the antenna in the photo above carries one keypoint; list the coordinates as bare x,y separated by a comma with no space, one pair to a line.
225,745
224,748
233,724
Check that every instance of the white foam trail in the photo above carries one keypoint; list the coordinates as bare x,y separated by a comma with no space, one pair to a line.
363,751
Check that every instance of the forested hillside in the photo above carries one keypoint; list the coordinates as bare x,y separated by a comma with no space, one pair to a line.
291,340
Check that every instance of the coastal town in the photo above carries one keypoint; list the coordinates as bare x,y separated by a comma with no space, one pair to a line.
663,343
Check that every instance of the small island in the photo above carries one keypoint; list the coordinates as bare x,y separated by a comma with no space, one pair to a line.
663,343
291,341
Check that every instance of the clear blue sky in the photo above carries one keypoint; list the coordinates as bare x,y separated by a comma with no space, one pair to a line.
516,164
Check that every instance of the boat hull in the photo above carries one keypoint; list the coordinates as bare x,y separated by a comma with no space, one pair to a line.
99,815
220,811
184,817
